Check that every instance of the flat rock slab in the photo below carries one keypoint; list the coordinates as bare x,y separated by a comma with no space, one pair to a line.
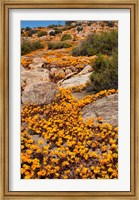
106,107
76,81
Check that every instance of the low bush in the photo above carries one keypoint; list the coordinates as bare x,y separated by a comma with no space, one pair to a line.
27,47
102,43
51,26
105,75
110,23
31,32
79,28
27,28
58,45
42,33
69,23
57,30
66,37
52,33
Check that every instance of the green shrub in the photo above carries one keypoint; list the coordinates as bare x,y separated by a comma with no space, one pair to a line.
51,26
110,23
79,28
105,75
102,43
27,47
68,23
66,37
52,33
27,28
37,45
70,27
58,45
31,32
66,45
57,30
42,33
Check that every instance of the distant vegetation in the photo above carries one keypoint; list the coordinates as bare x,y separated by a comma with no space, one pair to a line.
79,28
102,43
68,23
27,47
31,32
27,28
51,26
28,32
66,37
110,23
58,45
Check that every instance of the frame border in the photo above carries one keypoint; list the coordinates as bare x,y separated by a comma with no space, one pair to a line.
4,41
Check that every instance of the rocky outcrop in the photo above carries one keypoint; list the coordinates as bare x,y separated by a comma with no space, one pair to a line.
68,71
22,68
86,70
33,76
76,81
53,71
57,73
106,107
38,63
39,93
73,69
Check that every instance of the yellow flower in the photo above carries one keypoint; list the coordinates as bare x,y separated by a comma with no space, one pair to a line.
97,170
84,170
40,142
110,169
41,173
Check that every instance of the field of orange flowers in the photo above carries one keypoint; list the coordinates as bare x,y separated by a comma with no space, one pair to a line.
67,147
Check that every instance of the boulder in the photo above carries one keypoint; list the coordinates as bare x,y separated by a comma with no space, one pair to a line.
36,75
73,68
76,81
61,73
39,60
53,71
38,63
52,66
68,71
39,93
106,107
86,70
57,73
22,68
66,77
